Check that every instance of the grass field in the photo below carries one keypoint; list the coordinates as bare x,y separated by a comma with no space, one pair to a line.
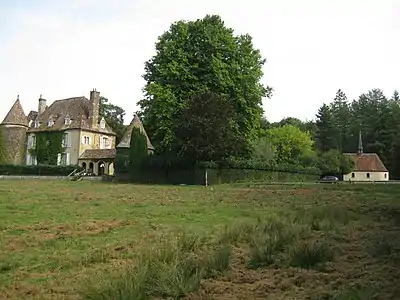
92,240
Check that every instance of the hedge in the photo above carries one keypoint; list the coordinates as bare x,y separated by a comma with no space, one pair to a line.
38,170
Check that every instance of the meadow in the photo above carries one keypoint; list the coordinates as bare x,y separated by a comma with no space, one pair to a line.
94,240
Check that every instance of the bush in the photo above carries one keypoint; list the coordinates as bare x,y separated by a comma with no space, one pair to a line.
38,170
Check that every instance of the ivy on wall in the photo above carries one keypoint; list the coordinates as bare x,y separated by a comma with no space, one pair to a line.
48,146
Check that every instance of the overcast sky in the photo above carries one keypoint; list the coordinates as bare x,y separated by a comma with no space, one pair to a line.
66,48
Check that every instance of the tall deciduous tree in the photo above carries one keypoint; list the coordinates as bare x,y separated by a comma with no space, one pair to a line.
193,58
114,116
289,143
209,131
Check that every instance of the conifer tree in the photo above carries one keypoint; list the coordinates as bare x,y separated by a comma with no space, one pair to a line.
138,149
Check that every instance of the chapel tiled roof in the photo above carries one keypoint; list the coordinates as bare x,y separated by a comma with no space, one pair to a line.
126,139
76,108
367,162
98,154
16,115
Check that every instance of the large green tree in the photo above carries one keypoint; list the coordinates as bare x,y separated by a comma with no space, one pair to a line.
210,132
194,57
114,116
326,133
290,144
341,121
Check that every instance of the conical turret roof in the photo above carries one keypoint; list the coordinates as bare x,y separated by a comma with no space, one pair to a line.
126,140
16,115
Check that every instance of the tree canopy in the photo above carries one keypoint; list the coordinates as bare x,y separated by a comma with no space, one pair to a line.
289,143
197,57
210,131
114,116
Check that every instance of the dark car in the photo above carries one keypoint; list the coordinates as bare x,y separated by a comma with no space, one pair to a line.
330,179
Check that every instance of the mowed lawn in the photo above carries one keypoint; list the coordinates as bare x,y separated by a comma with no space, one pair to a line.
56,235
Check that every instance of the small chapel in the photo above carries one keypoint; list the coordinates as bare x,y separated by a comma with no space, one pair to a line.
367,166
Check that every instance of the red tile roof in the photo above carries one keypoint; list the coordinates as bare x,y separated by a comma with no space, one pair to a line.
367,162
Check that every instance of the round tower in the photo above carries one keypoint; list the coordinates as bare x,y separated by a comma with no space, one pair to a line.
13,133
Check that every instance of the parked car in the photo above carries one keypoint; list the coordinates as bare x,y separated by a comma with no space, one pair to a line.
329,179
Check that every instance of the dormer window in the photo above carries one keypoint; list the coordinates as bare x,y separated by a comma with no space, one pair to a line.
102,123
50,122
67,120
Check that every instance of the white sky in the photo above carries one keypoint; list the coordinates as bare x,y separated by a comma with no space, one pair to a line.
313,47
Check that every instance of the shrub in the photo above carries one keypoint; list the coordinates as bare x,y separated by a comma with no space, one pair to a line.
49,170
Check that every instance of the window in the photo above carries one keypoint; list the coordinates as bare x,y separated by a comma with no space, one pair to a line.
102,123
32,141
385,175
368,175
105,143
36,124
31,160
86,140
353,175
63,159
67,120
50,122
65,141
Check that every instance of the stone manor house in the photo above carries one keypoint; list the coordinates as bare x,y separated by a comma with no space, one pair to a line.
88,140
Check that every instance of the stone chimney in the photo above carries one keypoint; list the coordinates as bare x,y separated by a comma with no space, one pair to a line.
94,109
42,105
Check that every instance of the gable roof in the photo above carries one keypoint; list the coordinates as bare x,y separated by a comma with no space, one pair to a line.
98,154
367,162
16,115
126,139
76,108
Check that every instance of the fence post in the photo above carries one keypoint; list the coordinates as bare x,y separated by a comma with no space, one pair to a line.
206,178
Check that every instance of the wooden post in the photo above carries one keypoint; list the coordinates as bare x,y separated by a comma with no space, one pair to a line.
206,178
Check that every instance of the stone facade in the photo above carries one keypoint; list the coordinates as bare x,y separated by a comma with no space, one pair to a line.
14,139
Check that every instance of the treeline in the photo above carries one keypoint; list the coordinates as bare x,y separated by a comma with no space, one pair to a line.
338,124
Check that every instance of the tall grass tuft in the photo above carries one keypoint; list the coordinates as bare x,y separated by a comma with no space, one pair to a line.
169,271
309,253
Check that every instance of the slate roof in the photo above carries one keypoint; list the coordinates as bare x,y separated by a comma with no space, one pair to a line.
126,139
16,115
32,115
98,154
367,162
77,108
